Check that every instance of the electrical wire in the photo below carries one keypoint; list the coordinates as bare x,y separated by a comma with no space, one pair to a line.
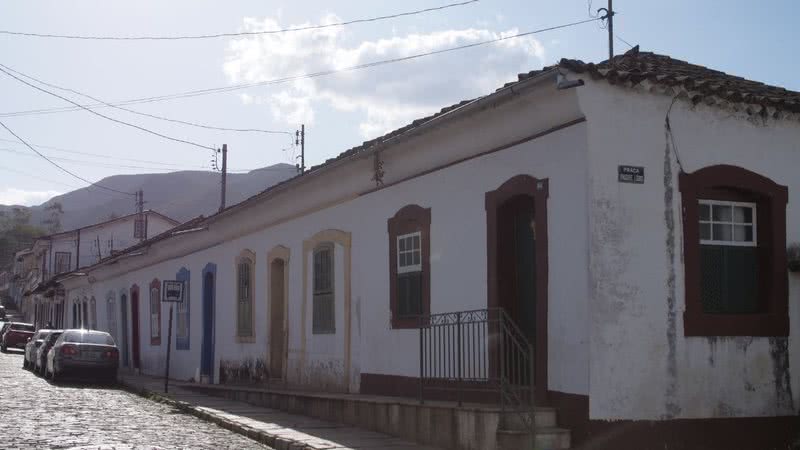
623,40
98,155
155,133
36,177
60,167
235,87
244,33
101,164
194,124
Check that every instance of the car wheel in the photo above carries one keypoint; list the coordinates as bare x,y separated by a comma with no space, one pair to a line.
3,348
54,376
24,363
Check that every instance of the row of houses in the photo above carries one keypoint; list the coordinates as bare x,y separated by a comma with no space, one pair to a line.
631,218
32,287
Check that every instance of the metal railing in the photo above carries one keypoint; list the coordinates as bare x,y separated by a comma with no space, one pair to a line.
475,355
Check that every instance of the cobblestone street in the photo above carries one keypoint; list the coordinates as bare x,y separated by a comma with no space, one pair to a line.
36,414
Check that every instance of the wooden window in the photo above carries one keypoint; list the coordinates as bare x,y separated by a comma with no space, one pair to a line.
140,228
409,275
244,297
62,263
155,312
182,326
734,253
324,311
409,266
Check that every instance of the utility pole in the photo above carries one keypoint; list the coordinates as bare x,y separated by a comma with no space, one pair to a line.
140,215
224,175
609,16
300,139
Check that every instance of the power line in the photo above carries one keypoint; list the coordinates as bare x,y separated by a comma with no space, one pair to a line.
98,155
244,33
60,167
235,87
194,124
36,177
616,35
104,116
98,164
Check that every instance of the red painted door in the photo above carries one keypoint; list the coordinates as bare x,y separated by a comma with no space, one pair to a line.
135,325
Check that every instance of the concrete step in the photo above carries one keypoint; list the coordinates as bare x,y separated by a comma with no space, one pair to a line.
547,438
544,417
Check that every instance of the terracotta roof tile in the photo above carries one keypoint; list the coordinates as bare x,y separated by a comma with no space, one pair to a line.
635,66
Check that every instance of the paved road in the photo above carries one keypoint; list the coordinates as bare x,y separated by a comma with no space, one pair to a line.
35,414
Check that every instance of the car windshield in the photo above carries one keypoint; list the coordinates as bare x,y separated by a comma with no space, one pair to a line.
72,336
43,335
53,336
98,338
22,326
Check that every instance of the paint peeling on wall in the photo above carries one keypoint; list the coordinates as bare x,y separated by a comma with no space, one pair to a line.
247,371
779,353
671,406
325,375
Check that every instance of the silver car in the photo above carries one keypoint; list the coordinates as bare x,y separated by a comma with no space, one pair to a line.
40,361
31,346
83,353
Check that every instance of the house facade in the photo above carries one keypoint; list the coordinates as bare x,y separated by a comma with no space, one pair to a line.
630,219
43,299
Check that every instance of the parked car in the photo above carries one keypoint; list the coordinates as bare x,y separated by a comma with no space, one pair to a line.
83,352
2,312
34,342
40,361
3,329
16,336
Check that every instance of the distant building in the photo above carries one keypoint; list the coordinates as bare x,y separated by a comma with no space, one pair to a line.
71,250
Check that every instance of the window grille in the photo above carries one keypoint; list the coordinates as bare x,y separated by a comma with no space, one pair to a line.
324,313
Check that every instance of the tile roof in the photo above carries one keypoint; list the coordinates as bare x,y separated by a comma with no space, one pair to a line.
700,83
631,68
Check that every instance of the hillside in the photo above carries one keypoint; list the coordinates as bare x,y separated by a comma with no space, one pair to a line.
180,195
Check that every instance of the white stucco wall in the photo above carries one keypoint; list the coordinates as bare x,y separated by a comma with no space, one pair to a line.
456,196
642,367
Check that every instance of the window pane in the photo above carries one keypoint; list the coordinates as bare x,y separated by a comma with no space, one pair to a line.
722,232
705,211
729,279
402,243
743,233
722,213
409,294
742,214
416,257
705,231
416,241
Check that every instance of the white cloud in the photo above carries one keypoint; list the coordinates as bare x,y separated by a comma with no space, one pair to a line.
12,196
387,96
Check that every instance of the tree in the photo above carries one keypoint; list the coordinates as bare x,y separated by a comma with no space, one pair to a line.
21,216
53,222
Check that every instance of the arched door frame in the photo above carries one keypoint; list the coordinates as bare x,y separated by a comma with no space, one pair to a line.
538,189
279,253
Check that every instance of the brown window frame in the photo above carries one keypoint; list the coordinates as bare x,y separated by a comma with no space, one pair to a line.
318,323
409,219
56,267
731,183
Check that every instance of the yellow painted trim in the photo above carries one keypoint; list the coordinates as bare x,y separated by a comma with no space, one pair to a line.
344,239
282,253
249,254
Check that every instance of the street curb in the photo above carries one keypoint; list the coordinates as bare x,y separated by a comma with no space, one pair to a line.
263,437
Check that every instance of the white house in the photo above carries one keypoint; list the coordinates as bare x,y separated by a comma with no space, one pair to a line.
67,251
631,220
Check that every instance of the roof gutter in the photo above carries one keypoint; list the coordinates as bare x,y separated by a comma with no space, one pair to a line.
499,95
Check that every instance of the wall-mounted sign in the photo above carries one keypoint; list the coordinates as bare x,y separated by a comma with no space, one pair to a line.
172,291
630,174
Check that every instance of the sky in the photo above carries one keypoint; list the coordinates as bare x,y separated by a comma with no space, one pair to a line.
339,110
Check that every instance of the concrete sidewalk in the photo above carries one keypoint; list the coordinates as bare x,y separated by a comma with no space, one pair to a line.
277,429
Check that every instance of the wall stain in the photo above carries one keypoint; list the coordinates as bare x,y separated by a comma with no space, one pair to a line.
712,349
247,371
779,353
671,404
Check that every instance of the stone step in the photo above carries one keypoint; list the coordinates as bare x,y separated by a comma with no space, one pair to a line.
544,417
547,438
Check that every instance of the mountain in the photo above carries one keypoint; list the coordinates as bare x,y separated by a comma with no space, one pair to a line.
179,195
